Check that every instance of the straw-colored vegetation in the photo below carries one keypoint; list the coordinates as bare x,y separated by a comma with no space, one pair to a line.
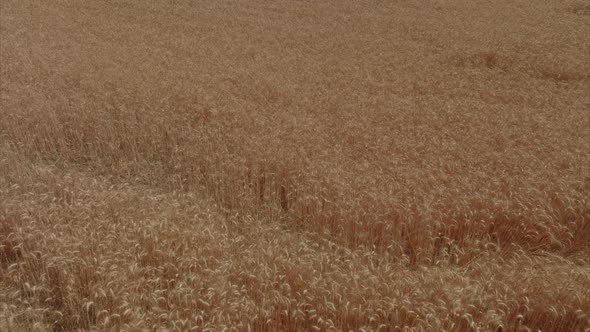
295,165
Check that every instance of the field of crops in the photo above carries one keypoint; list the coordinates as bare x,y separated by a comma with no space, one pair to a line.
295,165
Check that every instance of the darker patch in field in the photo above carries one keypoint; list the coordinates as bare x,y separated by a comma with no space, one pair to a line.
485,59
491,60
9,253
560,75
10,250
580,9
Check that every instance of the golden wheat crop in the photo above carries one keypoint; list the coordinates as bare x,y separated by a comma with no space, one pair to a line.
258,165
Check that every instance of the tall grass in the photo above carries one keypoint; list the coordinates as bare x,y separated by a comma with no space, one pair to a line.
411,139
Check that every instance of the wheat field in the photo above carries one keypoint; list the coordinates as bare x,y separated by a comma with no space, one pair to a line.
295,165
